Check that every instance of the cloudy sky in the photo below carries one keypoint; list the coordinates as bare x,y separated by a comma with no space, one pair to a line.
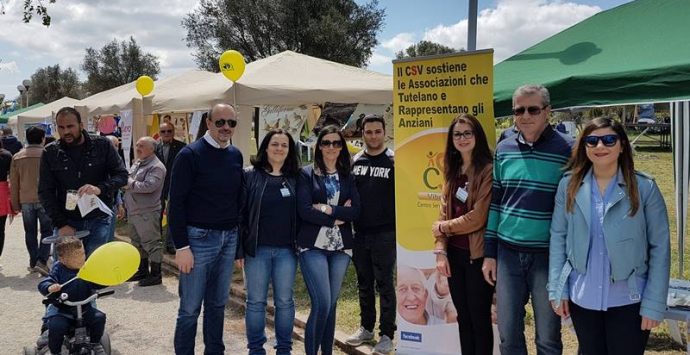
508,26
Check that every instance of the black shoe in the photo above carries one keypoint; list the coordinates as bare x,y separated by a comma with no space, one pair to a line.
154,278
143,271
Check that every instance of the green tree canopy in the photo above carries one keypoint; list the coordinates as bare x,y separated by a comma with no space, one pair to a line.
53,83
338,30
117,64
424,48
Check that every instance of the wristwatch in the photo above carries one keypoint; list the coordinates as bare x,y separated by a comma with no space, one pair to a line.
323,208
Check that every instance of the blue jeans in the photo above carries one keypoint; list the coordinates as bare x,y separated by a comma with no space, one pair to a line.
277,264
519,276
98,228
111,230
32,214
209,283
323,273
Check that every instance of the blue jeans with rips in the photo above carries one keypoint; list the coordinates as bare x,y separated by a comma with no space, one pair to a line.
323,273
277,265
208,283
32,215
519,276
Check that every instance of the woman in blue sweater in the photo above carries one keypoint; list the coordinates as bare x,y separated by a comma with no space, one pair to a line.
609,249
269,226
327,202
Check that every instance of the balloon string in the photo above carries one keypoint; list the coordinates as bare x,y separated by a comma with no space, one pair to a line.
68,281
234,99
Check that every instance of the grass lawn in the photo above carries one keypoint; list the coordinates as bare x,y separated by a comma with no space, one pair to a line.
652,161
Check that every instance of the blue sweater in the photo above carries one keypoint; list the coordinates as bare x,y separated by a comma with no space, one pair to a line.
78,290
204,190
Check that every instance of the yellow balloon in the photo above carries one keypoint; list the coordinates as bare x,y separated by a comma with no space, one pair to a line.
144,85
111,264
232,64
352,148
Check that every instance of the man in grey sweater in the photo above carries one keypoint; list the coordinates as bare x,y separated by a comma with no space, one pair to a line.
143,203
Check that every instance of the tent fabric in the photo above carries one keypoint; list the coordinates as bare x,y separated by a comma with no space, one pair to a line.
39,114
636,52
5,117
111,101
290,78
287,78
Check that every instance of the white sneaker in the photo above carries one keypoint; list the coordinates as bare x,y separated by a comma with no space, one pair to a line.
384,346
360,336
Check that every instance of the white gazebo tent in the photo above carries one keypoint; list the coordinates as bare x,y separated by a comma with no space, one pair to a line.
45,113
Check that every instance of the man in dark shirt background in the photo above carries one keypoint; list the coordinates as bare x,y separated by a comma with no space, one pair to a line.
166,151
374,250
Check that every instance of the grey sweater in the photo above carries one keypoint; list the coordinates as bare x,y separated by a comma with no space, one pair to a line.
144,186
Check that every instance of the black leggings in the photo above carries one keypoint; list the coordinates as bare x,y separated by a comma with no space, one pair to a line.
472,299
614,331
3,219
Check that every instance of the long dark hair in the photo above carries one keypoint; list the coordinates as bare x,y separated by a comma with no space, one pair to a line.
343,162
579,164
292,162
481,154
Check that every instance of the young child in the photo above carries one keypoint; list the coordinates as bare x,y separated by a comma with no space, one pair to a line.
71,257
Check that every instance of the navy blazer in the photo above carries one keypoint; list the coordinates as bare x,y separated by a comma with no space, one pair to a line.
310,190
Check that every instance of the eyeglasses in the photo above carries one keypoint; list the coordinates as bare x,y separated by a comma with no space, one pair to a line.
532,110
166,131
466,134
335,144
609,140
221,122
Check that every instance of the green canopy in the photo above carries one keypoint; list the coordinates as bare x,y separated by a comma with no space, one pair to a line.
6,116
636,52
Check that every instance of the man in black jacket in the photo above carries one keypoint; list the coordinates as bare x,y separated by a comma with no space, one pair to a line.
166,151
76,165
10,142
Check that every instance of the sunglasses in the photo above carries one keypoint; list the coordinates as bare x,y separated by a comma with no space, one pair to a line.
467,135
532,110
166,130
221,122
609,140
335,144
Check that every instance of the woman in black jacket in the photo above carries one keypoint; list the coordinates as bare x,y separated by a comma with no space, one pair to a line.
269,225
327,202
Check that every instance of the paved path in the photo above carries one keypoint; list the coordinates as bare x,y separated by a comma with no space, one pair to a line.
140,321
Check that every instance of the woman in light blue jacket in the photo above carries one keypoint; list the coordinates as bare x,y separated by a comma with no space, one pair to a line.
610,252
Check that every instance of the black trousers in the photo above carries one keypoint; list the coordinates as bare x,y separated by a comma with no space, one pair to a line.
614,331
59,325
374,258
472,299
3,219
168,241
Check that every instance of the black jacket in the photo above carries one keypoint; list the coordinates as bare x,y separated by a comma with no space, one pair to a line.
252,192
311,189
100,166
12,144
175,147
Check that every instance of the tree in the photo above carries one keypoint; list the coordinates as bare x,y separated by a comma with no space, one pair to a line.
117,64
52,83
31,8
425,48
338,30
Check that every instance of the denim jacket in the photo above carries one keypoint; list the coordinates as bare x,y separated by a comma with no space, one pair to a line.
637,245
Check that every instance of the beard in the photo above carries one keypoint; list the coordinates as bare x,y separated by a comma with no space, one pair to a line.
76,140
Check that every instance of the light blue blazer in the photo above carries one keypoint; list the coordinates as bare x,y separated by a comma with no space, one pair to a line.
637,245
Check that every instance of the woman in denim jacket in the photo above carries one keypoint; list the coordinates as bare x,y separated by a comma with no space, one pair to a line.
609,251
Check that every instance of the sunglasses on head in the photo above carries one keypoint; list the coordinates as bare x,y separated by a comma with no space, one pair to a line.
609,140
335,144
221,122
465,134
532,110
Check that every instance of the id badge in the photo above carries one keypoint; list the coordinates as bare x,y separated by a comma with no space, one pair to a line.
461,194
285,192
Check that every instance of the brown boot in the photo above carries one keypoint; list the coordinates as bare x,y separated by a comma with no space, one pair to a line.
154,278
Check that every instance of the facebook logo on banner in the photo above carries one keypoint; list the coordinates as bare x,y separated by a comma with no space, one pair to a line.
409,336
